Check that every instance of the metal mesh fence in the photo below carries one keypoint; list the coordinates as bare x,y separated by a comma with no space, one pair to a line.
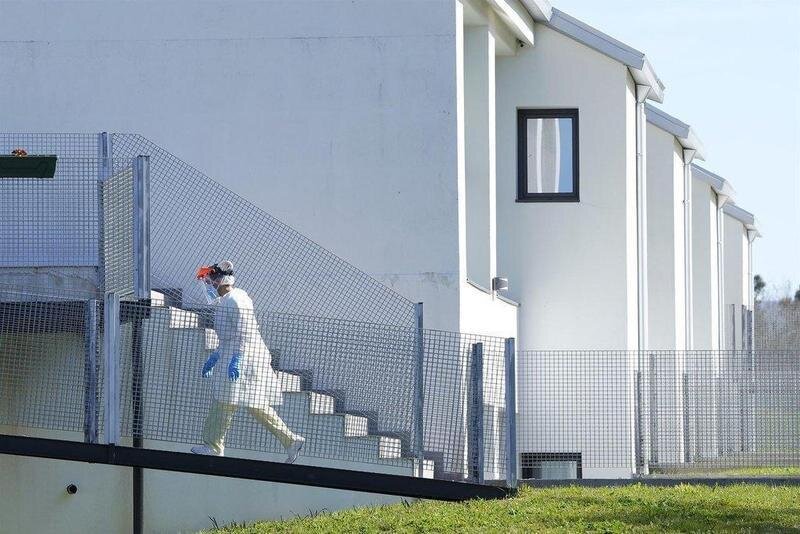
60,222
284,270
64,145
599,414
52,221
117,234
50,376
777,325
349,388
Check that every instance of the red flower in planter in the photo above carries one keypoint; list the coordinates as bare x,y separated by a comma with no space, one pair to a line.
19,152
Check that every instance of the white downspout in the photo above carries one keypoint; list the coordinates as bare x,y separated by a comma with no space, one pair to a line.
722,199
641,218
751,297
641,453
688,262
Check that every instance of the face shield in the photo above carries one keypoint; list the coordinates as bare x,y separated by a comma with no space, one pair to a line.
210,277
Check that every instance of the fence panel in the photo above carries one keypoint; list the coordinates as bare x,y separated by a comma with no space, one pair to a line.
680,413
195,220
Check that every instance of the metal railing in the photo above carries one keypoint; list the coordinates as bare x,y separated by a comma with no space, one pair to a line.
777,325
70,221
195,220
597,414
349,388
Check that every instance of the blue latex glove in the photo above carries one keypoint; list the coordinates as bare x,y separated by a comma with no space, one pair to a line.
208,367
233,368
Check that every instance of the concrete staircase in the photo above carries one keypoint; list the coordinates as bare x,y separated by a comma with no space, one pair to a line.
334,437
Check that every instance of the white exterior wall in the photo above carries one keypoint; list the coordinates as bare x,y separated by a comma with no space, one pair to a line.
704,268
350,118
572,265
345,110
34,497
665,235
667,297
479,91
704,430
736,287
733,364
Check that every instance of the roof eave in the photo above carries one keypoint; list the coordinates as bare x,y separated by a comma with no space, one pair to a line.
682,131
640,68
540,10
647,76
747,219
517,18
719,184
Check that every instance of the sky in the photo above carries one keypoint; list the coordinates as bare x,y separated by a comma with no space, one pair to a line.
732,71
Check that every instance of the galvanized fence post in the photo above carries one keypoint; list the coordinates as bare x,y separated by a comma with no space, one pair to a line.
419,390
141,288
686,436
111,386
476,440
638,423
105,154
90,372
511,412
141,227
652,385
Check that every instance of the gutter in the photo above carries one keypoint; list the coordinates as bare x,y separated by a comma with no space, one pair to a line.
719,184
684,133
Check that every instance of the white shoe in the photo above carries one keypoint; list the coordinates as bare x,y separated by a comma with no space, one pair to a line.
207,451
294,450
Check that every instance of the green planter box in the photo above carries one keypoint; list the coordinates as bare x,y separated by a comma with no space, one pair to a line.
27,166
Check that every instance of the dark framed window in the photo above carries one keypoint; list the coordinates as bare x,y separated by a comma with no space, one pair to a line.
547,155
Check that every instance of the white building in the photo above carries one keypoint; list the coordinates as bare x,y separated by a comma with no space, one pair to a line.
438,145
710,193
741,229
671,147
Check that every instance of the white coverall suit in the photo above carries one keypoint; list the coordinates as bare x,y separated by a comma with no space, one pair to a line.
258,385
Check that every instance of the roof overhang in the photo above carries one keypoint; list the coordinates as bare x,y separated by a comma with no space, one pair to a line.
682,131
640,68
540,10
516,17
747,219
719,184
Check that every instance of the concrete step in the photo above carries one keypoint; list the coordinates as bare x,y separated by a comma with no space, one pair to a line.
157,299
290,382
182,319
309,401
385,447
352,425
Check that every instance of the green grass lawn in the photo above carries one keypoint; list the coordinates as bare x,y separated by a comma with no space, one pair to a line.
743,507
737,472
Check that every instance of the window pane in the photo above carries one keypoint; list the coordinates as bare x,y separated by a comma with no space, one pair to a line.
549,150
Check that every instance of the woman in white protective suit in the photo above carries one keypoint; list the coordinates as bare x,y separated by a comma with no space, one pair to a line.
247,378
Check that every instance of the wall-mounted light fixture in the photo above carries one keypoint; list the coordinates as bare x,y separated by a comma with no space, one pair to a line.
499,284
